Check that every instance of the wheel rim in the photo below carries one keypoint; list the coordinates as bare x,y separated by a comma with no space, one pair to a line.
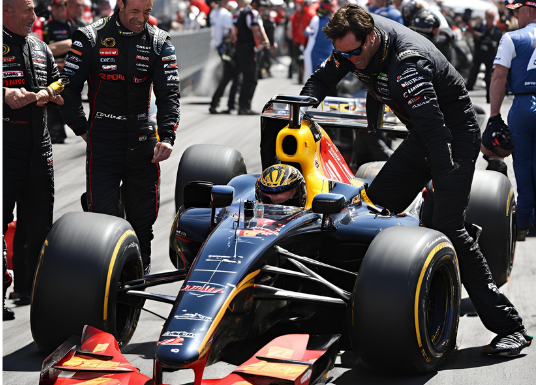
127,311
440,309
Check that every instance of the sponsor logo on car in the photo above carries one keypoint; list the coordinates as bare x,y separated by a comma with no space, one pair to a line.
179,334
107,60
77,42
112,77
172,341
108,52
194,317
204,289
13,74
139,57
109,67
169,58
108,42
72,65
8,59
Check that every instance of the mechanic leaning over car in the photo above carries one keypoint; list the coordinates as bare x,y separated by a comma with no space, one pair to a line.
515,62
123,57
404,70
28,173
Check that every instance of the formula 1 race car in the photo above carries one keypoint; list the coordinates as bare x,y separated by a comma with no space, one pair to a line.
342,271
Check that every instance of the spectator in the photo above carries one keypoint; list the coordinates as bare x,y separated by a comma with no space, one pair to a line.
515,63
28,171
507,21
248,29
486,38
299,21
428,25
105,9
319,47
126,58
268,23
403,70
8,313
57,34
386,9
75,12
222,40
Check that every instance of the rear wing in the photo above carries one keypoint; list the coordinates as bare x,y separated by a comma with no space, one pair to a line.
333,112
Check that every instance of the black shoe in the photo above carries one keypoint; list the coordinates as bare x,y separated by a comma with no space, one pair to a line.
23,300
247,112
227,112
522,235
8,314
528,337
213,111
510,345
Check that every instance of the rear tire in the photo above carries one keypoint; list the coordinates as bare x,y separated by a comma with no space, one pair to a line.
207,162
369,170
84,261
405,304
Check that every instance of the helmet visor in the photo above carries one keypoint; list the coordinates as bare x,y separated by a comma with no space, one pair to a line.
281,198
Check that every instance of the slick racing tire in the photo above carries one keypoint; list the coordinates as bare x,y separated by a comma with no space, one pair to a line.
369,170
207,162
84,261
405,304
492,206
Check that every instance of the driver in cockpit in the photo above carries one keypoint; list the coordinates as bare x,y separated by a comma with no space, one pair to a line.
281,184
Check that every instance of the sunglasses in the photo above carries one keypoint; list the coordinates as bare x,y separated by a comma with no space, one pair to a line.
355,52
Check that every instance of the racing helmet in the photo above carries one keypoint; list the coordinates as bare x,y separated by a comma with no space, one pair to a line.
424,22
411,8
281,184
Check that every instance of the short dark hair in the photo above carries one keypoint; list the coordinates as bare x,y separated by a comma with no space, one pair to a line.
350,18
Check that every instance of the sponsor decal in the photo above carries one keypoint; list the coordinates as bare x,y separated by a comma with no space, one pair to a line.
79,362
107,60
169,58
306,376
417,86
139,57
76,52
172,341
411,81
383,90
140,80
126,33
142,138
109,42
141,65
13,74
112,77
172,78
100,115
411,101
223,259
5,49
204,289
142,117
405,54
426,101
8,59
172,84
109,67
170,65
74,59
174,72
76,42
194,317
63,32
179,334
142,69
9,65
108,52
69,71
69,64
383,77
408,70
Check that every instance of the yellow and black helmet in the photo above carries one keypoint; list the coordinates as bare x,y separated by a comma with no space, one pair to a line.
283,185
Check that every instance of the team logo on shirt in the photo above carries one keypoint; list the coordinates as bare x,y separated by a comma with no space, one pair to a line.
13,74
108,42
77,42
5,49
109,67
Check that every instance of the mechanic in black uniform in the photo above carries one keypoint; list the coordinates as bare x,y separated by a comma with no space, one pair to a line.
28,173
57,33
403,69
248,28
123,57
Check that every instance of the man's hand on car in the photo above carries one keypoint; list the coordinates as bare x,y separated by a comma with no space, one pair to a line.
162,151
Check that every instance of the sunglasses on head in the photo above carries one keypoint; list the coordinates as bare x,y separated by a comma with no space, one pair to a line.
355,52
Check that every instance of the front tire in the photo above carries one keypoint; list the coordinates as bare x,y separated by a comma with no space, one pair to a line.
406,300
84,261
